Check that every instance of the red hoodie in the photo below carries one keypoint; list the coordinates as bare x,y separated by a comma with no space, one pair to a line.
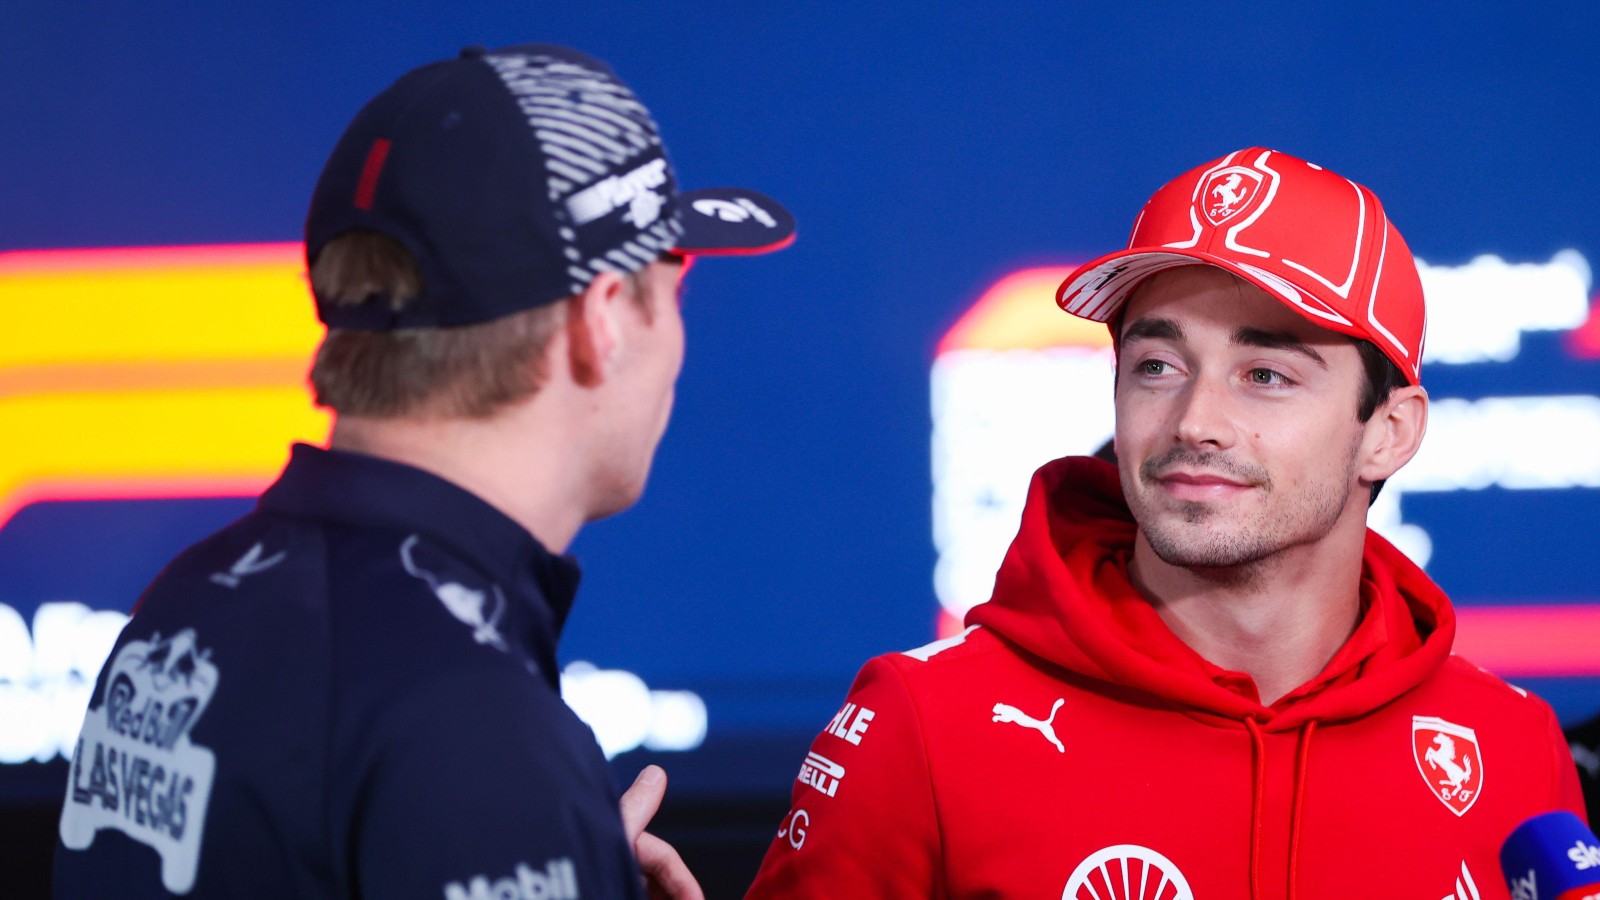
1068,745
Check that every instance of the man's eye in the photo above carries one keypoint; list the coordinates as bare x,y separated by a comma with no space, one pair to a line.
1152,367
1267,376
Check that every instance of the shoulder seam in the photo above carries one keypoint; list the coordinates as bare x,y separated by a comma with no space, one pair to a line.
927,764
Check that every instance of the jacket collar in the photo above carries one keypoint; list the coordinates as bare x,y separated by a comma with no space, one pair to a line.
341,486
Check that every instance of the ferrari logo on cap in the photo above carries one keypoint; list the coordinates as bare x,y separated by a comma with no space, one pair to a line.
1228,192
1447,755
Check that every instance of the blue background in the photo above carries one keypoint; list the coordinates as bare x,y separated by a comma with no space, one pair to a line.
926,150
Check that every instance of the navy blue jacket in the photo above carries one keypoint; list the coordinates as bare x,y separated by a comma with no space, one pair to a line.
351,692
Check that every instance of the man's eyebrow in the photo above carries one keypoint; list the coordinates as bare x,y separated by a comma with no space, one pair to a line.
1277,340
1153,329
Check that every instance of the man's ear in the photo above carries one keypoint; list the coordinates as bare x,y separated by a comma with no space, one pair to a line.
1395,432
593,331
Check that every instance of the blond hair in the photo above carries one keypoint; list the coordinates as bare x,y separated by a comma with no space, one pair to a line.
469,371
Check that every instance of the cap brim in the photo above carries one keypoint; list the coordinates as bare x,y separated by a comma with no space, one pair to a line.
732,222
1096,290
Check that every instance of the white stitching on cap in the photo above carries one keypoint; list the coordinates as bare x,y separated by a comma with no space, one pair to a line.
1355,260
1292,294
1372,300
1194,200
1194,220
1272,191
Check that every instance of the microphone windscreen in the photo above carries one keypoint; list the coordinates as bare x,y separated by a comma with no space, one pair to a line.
1553,856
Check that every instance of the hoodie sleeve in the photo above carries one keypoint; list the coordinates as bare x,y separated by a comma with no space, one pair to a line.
863,822
1568,791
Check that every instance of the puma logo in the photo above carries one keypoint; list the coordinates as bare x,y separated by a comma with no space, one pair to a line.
1006,713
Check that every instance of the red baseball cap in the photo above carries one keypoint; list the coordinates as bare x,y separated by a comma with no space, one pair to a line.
1315,240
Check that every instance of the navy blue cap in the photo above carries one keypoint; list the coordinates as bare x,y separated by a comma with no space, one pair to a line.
513,177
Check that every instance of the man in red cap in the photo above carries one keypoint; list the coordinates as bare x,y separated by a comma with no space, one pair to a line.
1200,674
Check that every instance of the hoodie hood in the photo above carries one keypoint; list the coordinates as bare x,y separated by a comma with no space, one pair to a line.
1063,595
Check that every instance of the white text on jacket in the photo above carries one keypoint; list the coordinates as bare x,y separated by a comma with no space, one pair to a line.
557,881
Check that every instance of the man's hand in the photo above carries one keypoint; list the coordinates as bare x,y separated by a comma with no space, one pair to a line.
665,874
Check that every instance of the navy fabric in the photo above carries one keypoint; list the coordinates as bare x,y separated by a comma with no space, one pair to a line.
460,187
368,662
513,177
731,222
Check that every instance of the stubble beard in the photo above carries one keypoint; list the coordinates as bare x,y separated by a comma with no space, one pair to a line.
1231,553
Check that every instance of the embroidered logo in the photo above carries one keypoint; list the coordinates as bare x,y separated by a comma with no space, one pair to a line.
1467,889
738,210
822,773
1447,755
135,769
1228,192
851,722
1006,713
794,828
471,607
1233,195
639,190
249,564
1127,872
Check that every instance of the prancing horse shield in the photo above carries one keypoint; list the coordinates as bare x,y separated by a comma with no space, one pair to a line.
1447,755
1229,192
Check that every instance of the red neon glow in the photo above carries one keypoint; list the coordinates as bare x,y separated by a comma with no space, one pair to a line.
1583,342
1537,641
195,256
185,488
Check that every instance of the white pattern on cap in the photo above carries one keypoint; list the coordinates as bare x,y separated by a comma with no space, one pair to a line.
587,125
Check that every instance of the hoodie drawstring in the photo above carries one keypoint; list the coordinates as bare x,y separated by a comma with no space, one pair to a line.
1258,754
1302,759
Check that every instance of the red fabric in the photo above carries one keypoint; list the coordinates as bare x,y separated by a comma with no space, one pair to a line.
1252,212
949,791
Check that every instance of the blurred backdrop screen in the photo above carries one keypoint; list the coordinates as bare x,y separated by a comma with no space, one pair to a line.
859,415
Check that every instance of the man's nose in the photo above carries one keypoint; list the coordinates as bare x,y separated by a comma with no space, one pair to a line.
1205,417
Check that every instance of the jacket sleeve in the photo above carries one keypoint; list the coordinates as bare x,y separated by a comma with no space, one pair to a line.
863,821
471,793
